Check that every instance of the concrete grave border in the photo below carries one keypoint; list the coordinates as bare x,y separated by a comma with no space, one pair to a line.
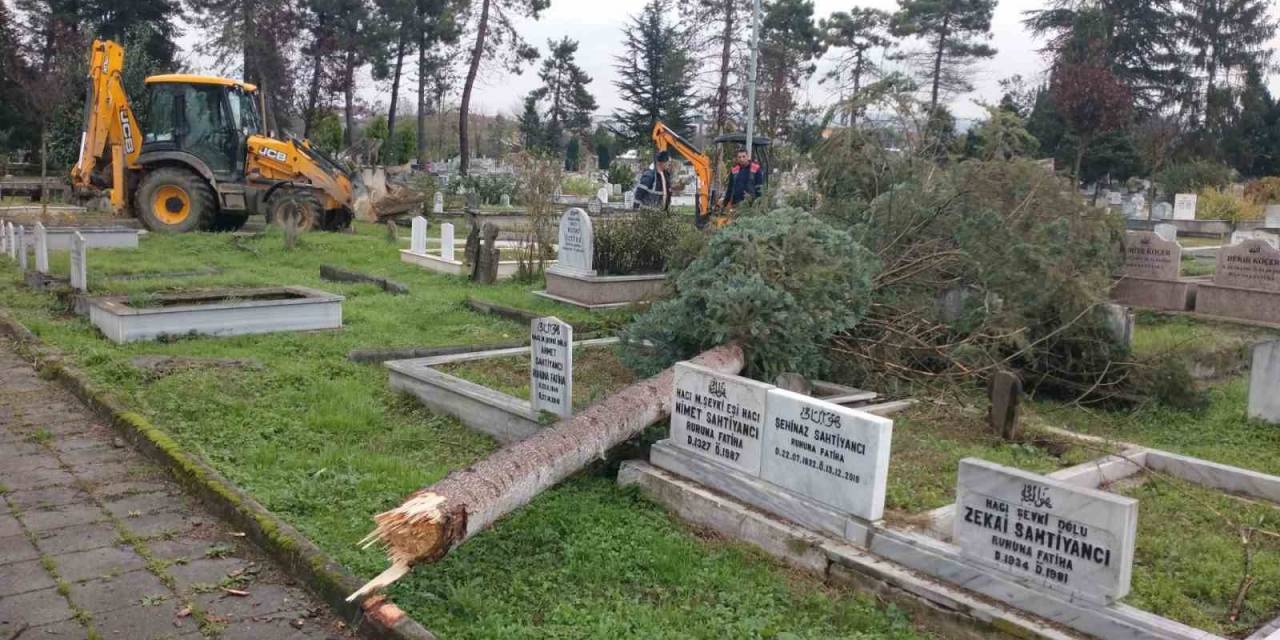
309,309
928,567
600,293
507,418
506,268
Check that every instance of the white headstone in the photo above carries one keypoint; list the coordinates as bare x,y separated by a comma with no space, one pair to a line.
42,249
418,236
1184,206
1272,213
506,200
22,248
1167,231
79,263
833,454
629,200
13,241
616,189
719,417
446,241
438,205
603,195
576,243
4,238
1066,538
551,369
1115,198
1264,379
1162,211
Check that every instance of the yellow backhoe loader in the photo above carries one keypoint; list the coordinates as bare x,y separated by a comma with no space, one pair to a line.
202,160
708,207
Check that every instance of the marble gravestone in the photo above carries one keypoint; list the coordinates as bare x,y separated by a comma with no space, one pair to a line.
833,454
1252,264
22,248
629,200
551,366
1264,380
576,244
1272,214
79,263
505,201
1115,198
1184,206
1166,231
437,205
42,249
1246,283
1147,255
1046,532
13,240
4,238
719,417
446,241
1149,275
603,195
1162,211
418,236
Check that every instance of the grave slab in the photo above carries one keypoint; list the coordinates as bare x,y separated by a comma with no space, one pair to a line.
576,244
1246,284
1184,206
719,417
1046,532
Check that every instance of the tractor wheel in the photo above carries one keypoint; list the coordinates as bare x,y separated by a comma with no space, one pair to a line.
174,200
228,221
298,208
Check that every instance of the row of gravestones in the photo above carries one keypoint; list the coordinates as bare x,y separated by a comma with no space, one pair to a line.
1135,206
576,242
13,242
791,450
602,198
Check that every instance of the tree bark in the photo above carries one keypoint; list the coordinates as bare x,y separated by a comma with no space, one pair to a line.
395,95
313,92
438,518
422,101
464,147
937,65
722,92
348,93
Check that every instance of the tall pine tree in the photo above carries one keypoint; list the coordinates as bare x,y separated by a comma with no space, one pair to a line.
564,90
856,34
954,31
789,43
655,75
1225,39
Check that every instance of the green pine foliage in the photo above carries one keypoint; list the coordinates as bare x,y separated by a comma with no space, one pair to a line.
780,284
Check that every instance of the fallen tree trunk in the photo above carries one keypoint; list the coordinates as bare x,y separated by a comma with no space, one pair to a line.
438,518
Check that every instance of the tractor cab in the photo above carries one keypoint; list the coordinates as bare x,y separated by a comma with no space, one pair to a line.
206,117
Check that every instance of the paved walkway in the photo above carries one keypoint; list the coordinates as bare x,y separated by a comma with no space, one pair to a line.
95,542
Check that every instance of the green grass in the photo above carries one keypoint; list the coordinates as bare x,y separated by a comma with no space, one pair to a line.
929,442
597,374
322,443
1189,559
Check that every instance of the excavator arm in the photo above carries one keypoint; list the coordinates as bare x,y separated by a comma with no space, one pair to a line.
111,137
667,140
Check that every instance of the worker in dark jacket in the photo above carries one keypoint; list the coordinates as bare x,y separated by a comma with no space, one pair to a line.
654,188
746,179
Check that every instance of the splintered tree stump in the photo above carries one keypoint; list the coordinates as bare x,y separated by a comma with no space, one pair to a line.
438,518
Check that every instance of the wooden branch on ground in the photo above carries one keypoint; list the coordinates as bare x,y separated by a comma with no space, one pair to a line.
438,518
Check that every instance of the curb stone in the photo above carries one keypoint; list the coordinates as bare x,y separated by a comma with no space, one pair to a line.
376,617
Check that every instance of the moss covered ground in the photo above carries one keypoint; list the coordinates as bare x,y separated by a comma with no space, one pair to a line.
322,443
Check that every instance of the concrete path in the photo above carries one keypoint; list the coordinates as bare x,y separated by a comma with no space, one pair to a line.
96,542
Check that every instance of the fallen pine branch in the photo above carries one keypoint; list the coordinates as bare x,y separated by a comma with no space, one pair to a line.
438,518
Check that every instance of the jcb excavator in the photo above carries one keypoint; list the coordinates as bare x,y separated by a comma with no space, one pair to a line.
202,160
707,206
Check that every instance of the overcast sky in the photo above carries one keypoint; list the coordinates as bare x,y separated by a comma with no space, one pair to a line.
597,26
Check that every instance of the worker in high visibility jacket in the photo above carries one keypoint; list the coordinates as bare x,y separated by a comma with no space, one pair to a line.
746,180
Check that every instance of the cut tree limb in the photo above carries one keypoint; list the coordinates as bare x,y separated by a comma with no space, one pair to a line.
438,518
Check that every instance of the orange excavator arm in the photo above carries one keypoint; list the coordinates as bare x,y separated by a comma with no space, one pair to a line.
667,140
111,135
